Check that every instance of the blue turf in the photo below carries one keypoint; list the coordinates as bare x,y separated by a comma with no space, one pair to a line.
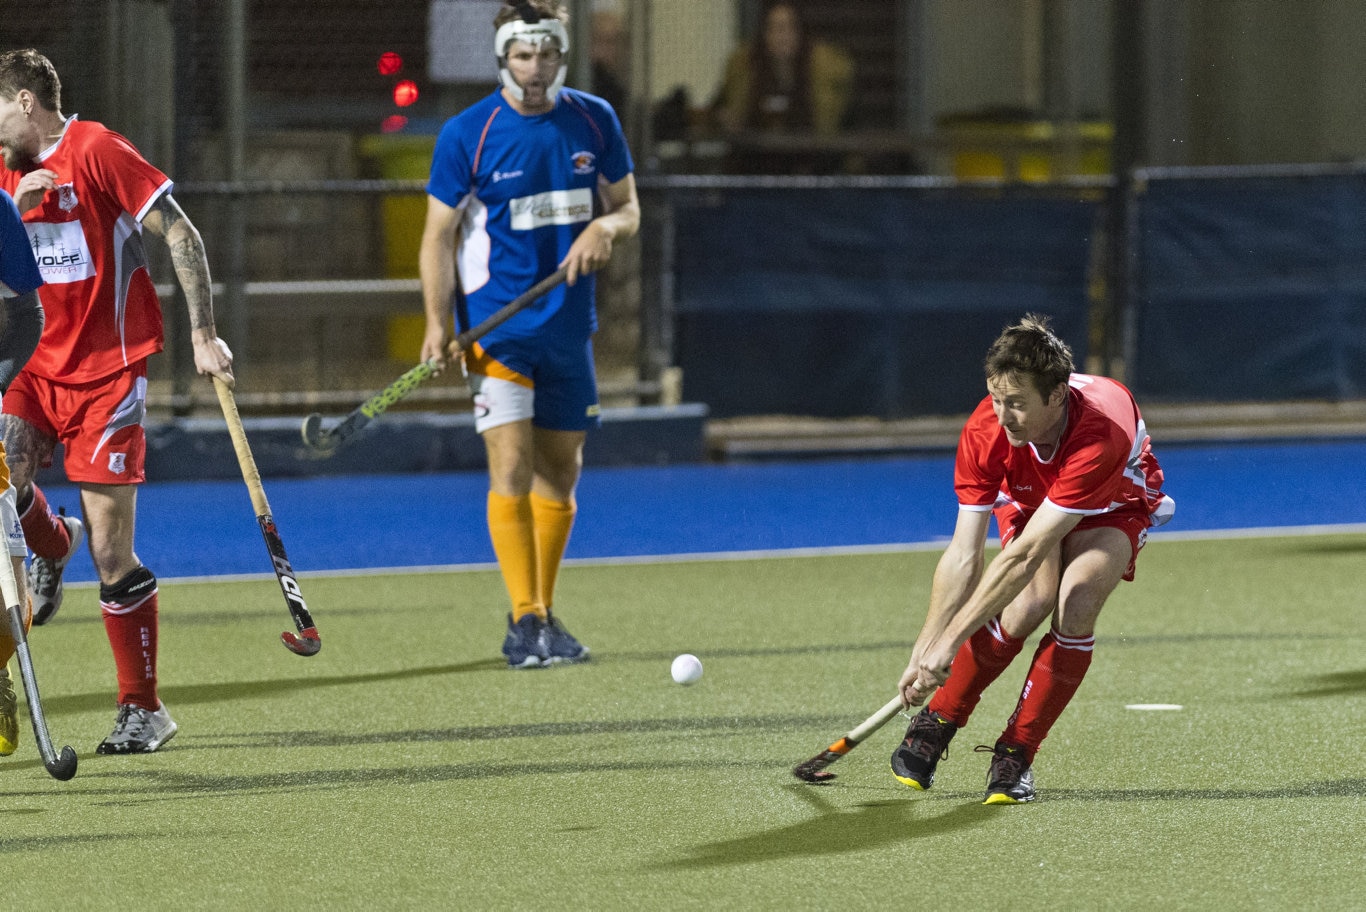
207,528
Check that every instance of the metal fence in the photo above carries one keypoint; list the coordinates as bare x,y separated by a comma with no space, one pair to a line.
347,317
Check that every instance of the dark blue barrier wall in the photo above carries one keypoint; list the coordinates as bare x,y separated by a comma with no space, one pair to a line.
878,302
1250,288
200,448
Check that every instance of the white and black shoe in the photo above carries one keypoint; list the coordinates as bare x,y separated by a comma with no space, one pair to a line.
138,730
45,575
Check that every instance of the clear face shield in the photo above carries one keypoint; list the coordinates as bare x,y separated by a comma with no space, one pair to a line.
541,34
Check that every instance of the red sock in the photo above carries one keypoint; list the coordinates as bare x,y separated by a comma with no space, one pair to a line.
132,632
979,662
47,535
1059,664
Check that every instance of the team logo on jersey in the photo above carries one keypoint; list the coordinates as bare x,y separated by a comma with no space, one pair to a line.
66,197
584,162
116,463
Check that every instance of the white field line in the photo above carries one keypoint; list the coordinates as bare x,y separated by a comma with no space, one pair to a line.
762,554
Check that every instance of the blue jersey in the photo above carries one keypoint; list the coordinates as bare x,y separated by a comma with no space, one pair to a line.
527,188
18,269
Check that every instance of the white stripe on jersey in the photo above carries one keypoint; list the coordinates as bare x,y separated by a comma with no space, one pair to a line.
474,245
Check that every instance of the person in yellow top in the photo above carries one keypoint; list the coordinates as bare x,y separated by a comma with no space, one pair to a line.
785,82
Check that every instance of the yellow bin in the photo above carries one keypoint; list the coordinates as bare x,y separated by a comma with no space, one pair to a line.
401,157
1033,151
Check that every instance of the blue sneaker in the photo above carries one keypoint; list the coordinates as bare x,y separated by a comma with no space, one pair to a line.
528,643
563,647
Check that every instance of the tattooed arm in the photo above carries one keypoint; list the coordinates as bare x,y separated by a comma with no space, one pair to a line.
167,220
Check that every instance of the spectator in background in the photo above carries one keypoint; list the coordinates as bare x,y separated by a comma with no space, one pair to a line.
785,84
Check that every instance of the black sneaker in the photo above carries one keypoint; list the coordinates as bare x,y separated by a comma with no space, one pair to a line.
562,646
1011,778
927,742
527,644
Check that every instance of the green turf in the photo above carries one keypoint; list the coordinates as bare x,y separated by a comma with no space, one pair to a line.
405,768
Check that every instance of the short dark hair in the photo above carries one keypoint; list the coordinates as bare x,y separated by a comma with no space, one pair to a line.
542,9
1031,350
28,69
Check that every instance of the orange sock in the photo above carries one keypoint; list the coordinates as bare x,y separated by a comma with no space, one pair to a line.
554,519
513,532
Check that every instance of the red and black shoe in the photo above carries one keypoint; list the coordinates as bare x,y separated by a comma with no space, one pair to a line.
926,743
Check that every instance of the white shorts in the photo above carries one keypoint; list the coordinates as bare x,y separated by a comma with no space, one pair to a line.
9,520
498,402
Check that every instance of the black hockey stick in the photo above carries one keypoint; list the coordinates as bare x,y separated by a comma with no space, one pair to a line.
813,770
307,642
60,766
325,442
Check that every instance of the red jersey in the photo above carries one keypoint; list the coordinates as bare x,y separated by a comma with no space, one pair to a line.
102,312
1104,462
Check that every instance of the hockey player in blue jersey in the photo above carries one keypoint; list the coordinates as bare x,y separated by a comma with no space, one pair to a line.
534,177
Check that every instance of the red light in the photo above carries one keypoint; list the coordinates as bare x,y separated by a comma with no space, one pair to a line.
389,63
393,123
405,93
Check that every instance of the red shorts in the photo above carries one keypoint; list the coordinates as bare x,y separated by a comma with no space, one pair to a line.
99,423
1135,525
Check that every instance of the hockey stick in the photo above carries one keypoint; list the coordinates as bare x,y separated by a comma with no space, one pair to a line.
307,642
813,770
60,766
326,442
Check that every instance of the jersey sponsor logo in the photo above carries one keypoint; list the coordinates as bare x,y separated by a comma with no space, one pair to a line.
583,162
505,175
66,197
61,251
557,207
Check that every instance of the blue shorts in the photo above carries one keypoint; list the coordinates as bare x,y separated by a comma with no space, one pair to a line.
552,382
